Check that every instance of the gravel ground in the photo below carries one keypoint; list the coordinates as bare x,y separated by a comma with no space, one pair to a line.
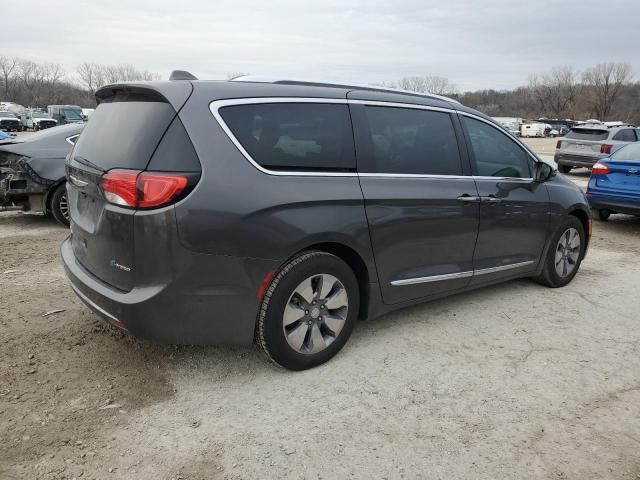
512,381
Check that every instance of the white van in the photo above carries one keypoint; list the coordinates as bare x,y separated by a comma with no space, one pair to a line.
532,130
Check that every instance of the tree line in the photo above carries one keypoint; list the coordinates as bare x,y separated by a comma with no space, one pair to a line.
605,91
35,84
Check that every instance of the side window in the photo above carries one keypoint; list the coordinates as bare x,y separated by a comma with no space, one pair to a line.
626,135
294,136
495,154
412,141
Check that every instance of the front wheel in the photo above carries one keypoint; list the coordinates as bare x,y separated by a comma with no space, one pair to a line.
308,311
564,168
565,254
60,205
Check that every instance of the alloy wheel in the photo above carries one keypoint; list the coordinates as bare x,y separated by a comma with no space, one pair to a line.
64,206
567,252
315,313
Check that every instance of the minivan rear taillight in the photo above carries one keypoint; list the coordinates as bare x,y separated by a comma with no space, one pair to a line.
135,189
606,148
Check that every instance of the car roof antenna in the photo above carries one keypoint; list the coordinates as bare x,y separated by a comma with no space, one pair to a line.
182,75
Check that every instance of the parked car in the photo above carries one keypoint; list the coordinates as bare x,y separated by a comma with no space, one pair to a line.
9,122
614,186
64,114
87,112
584,145
533,130
36,120
32,174
234,211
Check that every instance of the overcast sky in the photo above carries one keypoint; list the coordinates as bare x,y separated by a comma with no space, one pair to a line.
476,44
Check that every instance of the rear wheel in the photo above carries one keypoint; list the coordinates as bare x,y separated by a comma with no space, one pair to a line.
60,205
308,311
564,168
604,214
565,254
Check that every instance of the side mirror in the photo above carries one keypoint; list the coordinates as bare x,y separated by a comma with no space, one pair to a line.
542,172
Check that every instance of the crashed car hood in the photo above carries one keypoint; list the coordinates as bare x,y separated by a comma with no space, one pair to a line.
46,149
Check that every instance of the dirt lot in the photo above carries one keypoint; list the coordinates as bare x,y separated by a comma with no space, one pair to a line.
513,381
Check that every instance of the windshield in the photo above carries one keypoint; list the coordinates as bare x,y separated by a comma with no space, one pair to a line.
39,115
630,153
7,114
72,114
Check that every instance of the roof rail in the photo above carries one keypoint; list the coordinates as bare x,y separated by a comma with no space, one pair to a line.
317,83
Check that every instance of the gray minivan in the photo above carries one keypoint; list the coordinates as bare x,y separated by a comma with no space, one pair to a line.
281,212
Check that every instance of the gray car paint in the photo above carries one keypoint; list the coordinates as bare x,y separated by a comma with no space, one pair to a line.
198,264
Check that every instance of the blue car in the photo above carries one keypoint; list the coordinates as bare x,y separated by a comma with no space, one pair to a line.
614,186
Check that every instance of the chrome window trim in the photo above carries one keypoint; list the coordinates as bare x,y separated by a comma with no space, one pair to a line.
453,276
216,105
70,139
377,103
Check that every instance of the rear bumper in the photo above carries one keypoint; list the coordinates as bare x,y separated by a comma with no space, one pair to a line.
575,160
616,204
195,308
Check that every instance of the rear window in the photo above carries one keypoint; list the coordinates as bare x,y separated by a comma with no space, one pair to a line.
294,136
588,134
630,153
124,134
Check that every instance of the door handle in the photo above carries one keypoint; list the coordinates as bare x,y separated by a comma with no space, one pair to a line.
491,200
466,198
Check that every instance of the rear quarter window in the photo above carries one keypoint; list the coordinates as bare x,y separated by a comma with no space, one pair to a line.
588,134
294,136
626,135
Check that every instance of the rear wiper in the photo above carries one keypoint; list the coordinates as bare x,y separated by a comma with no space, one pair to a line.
88,163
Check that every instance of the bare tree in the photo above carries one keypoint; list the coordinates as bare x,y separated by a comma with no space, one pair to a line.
428,84
556,91
7,67
606,80
31,75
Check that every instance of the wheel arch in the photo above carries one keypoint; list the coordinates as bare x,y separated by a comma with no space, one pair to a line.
357,264
49,194
585,220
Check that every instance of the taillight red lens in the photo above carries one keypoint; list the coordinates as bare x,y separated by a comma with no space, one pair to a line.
157,189
135,189
119,187
600,168
606,149
559,144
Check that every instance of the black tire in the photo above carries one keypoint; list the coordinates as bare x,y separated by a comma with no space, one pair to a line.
564,168
604,214
58,198
270,334
549,275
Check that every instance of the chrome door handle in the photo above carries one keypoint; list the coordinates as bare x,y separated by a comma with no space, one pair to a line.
468,199
491,200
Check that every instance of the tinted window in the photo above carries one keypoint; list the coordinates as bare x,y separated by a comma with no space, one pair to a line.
630,153
588,134
294,136
626,135
495,154
405,140
124,134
